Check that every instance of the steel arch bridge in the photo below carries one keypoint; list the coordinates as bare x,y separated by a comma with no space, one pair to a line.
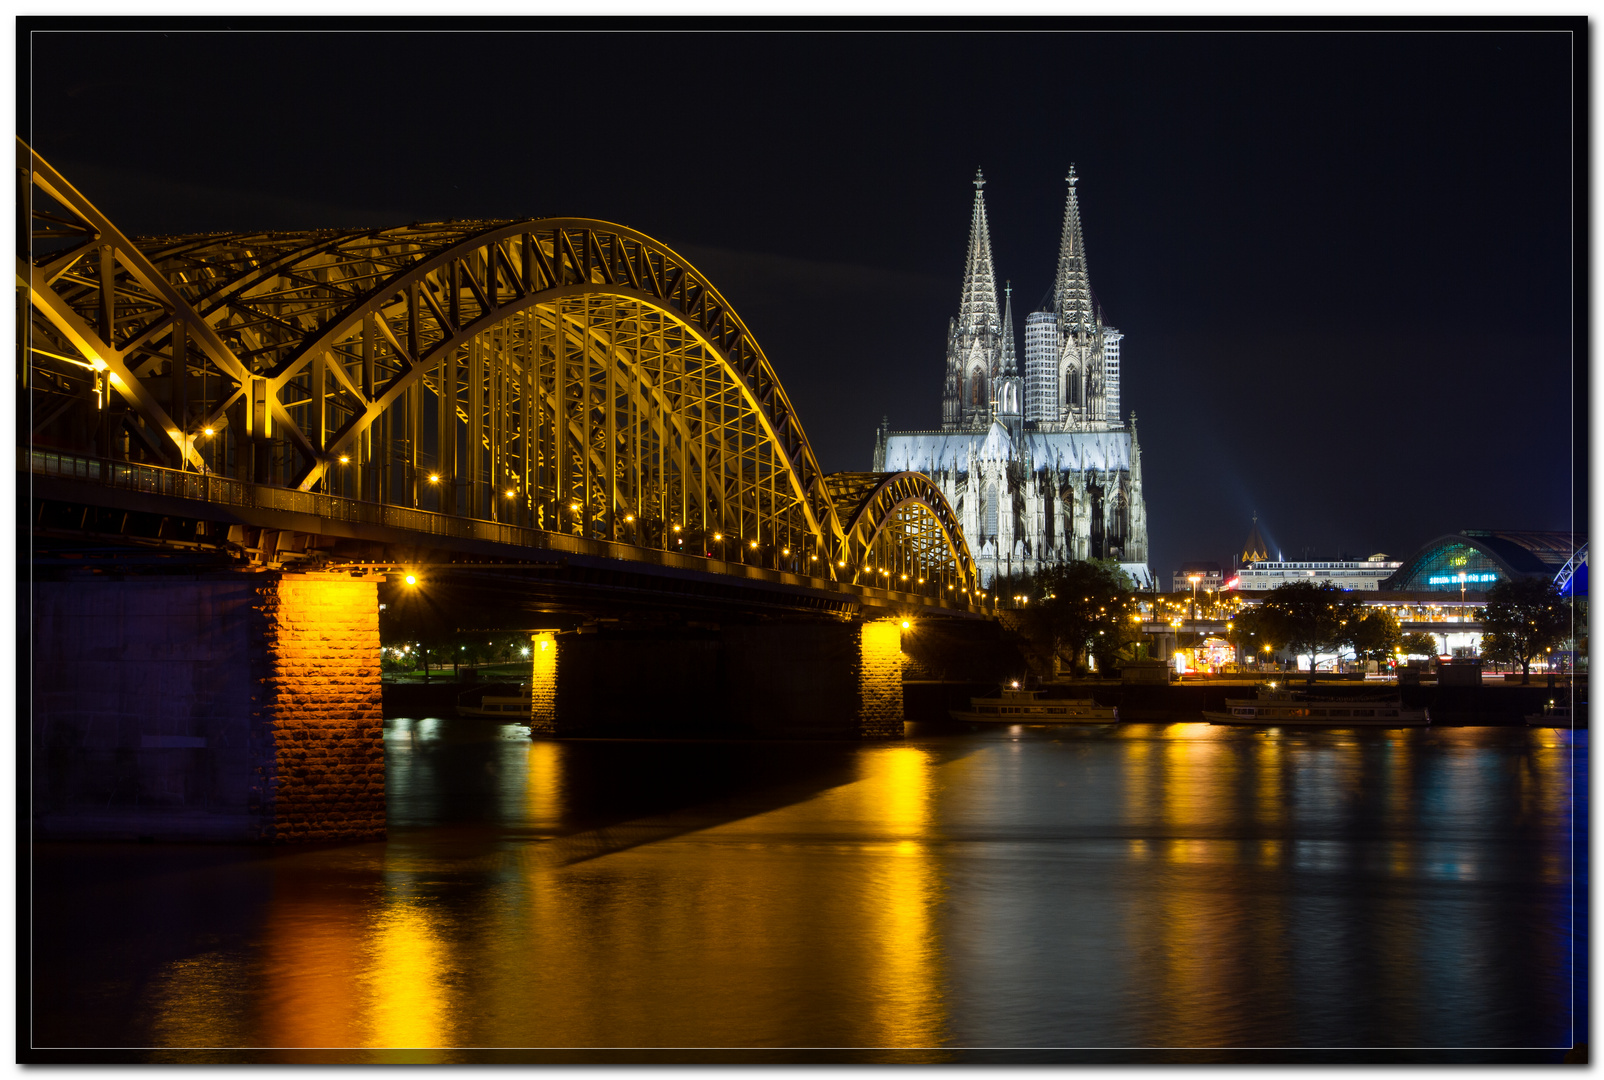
566,374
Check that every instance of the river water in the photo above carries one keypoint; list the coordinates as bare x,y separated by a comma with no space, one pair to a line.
1142,893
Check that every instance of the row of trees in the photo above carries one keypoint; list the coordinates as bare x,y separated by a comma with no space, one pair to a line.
1090,609
1522,620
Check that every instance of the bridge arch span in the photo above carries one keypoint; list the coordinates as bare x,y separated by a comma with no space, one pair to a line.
566,374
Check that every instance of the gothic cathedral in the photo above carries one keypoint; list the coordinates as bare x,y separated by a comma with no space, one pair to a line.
1037,463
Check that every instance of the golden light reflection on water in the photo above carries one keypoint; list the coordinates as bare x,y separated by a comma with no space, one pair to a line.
196,1002
1269,789
406,996
902,905
543,785
1212,948
820,922
315,955
337,974
818,916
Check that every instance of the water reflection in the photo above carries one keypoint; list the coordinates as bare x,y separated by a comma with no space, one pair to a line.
1146,886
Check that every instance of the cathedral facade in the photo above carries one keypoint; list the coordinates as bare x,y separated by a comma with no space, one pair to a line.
1031,451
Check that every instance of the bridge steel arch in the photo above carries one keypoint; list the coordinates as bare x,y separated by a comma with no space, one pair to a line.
565,374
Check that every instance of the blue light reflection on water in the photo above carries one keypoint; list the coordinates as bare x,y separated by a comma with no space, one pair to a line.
1141,886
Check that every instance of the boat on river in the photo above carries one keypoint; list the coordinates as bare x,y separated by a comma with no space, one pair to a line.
497,707
1015,706
1556,714
1286,708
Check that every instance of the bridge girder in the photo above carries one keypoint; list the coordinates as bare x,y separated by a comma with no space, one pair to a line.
568,374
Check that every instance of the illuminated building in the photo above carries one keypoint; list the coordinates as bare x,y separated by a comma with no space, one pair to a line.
1209,577
1360,574
1037,464
1477,559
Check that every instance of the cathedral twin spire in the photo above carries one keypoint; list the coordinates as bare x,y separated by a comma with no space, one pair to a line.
981,356
1072,288
977,311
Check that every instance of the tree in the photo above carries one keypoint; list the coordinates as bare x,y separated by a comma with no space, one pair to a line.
1310,618
1417,644
1084,607
1524,618
1250,632
1375,635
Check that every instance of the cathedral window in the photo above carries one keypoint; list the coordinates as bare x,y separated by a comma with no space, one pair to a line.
977,387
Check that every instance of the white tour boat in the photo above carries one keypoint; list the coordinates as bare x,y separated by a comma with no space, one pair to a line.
1288,709
1016,706
1556,714
499,708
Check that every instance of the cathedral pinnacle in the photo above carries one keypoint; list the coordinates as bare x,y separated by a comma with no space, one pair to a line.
978,309
1072,288
980,179
1008,365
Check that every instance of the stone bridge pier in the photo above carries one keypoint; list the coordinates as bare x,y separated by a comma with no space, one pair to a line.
765,680
226,707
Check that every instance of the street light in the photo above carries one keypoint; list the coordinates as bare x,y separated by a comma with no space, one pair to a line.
1194,579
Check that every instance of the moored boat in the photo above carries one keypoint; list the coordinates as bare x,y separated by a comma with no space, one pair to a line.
1287,709
497,707
1015,706
1556,714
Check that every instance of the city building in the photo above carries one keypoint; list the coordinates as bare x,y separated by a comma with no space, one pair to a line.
1440,589
1032,456
1473,560
1208,574
1365,574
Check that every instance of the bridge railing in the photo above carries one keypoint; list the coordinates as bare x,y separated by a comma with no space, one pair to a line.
227,491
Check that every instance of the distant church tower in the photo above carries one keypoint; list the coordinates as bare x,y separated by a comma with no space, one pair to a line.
1255,549
1033,455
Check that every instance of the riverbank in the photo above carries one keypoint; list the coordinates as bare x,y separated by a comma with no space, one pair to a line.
927,701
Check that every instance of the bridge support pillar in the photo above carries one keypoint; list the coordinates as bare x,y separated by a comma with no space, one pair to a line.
879,672
236,707
543,649
778,680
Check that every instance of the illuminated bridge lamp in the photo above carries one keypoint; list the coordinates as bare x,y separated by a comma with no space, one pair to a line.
629,517
906,624
510,493
434,478
412,579
676,528
345,459
209,431
751,543
785,551
718,536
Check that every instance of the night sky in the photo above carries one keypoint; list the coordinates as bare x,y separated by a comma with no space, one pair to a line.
1343,261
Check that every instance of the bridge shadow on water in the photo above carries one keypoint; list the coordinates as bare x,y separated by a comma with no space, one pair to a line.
456,781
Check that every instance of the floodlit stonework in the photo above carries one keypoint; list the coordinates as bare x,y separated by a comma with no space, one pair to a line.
1037,465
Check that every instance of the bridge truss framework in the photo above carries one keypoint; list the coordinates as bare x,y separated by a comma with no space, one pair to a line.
565,375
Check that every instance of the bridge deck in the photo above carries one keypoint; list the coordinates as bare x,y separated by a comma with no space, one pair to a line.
359,533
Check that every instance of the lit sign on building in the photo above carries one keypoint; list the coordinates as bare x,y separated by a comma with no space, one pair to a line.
1458,579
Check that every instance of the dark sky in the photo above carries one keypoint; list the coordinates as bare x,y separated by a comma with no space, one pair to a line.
1342,260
